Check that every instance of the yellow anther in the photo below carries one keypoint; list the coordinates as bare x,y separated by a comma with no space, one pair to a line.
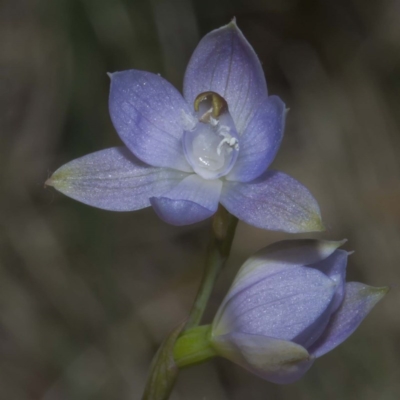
218,105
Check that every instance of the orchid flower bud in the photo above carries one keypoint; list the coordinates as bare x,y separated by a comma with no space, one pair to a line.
289,305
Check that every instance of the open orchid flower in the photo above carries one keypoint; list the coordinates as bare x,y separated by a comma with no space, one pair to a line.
289,305
184,155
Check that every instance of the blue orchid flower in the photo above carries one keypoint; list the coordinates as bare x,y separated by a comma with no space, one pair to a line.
288,305
184,155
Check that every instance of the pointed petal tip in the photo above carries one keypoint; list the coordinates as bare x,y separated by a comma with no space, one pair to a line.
58,178
385,289
359,300
372,295
116,74
113,179
334,243
313,224
49,182
232,24
377,292
327,247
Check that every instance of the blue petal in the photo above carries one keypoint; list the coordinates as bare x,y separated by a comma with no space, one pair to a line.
288,254
149,115
279,256
274,360
113,179
291,304
335,267
225,63
260,141
193,200
358,302
274,201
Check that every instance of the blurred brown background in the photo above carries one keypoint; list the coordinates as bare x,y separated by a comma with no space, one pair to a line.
87,295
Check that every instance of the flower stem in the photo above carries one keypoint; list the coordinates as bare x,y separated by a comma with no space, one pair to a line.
223,232
163,370
193,345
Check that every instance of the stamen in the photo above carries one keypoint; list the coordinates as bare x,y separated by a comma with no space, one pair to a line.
218,105
213,121
224,131
227,138
206,116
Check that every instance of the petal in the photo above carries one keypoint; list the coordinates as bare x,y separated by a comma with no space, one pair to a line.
113,179
358,302
278,257
275,360
275,258
288,254
274,201
290,304
225,63
335,267
149,116
260,141
193,200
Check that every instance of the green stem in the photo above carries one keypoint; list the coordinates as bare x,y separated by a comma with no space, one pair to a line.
223,232
163,369
193,347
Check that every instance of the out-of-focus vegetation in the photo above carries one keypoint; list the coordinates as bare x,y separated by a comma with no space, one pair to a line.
87,295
